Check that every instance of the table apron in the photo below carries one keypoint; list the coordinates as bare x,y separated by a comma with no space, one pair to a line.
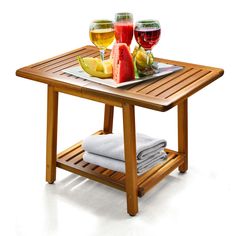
110,100
88,95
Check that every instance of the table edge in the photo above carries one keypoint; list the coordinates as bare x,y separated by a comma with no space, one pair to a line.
136,99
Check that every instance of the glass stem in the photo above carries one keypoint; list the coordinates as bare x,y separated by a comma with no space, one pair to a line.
102,54
148,54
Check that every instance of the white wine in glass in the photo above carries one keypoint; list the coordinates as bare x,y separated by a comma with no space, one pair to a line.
101,34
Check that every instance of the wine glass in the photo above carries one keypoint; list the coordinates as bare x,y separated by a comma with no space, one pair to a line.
124,27
101,34
147,34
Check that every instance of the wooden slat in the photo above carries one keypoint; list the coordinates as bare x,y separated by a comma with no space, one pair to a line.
91,175
76,164
149,173
158,95
64,55
72,154
68,58
123,178
68,150
173,82
91,166
193,87
160,174
82,164
137,87
61,73
182,84
70,61
77,159
99,169
117,176
108,172
149,86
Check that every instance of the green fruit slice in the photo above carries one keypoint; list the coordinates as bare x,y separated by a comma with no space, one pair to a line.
92,71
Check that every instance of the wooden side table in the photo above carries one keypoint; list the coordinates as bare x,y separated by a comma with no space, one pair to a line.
160,95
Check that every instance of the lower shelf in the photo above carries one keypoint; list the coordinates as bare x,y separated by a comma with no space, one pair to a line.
72,160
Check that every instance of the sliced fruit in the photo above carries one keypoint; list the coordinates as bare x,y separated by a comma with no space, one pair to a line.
143,62
99,65
135,51
107,66
141,58
123,67
91,62
88,65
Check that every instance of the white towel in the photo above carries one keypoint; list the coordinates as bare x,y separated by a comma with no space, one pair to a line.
118,165
112,146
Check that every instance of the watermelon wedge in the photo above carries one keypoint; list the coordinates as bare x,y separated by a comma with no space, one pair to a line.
123,67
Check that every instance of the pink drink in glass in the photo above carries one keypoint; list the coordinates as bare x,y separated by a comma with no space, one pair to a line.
124,32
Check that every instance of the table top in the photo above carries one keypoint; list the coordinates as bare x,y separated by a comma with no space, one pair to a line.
161,94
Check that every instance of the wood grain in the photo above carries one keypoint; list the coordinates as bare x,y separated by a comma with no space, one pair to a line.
183,134
108,119
159,95
161,174
115,179
51,149
130,159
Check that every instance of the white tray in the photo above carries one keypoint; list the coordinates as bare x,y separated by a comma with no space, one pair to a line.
163,69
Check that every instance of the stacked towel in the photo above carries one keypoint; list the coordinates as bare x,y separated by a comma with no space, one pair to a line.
108,151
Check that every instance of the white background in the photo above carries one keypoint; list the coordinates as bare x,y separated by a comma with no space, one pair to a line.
201,202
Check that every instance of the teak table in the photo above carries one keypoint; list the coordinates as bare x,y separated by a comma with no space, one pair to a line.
160,95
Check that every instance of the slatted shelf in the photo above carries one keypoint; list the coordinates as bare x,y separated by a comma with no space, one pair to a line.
155,94
72,160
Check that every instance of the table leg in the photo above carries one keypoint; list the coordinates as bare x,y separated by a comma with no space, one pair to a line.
130,158
108,118
183,133
51,154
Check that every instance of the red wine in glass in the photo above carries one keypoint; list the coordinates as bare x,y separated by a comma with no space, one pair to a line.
147,37
147,34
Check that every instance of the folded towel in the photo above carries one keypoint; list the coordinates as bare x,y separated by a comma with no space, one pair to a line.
112,146
118,165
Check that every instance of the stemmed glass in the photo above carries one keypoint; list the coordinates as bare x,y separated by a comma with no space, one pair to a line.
101,34
147,34
124,27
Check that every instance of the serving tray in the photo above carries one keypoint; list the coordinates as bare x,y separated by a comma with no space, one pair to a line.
163,69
